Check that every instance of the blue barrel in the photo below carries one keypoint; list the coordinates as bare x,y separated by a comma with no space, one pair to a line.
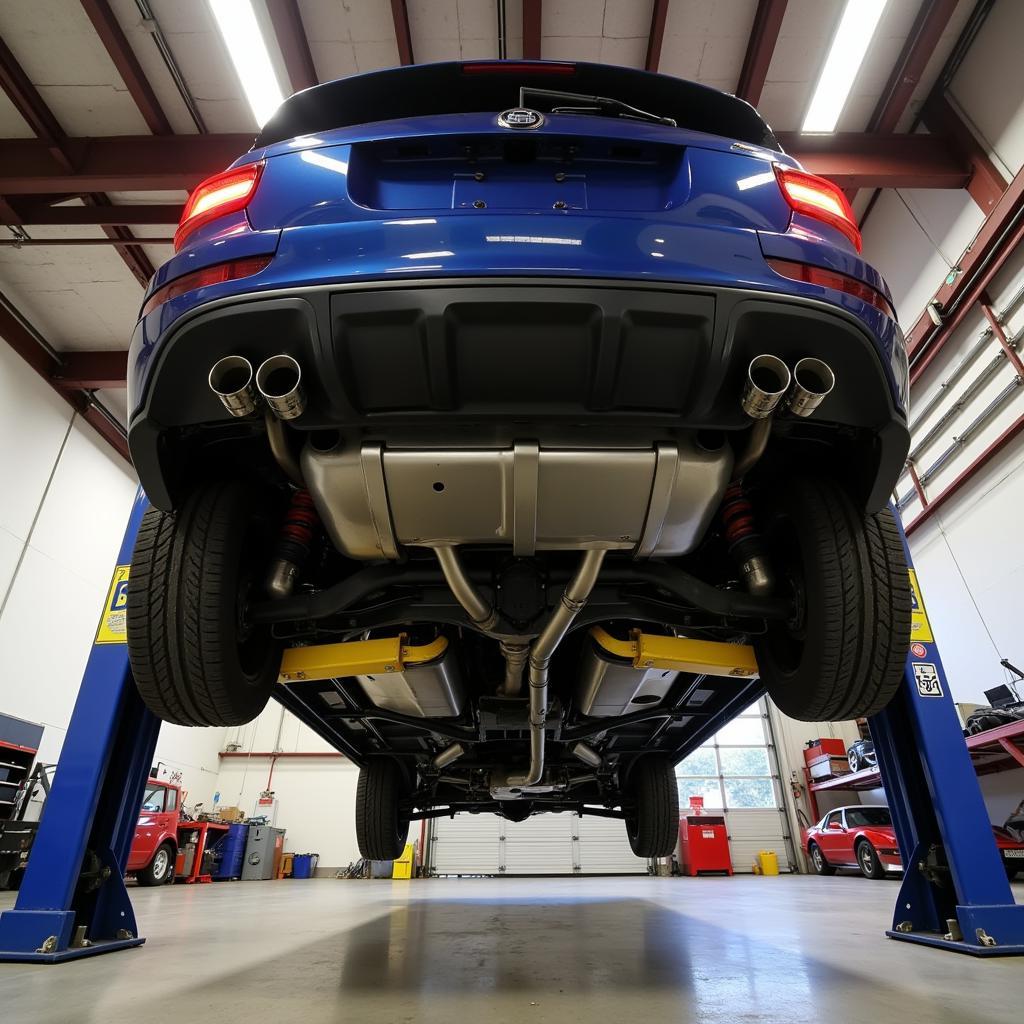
231,852
304,864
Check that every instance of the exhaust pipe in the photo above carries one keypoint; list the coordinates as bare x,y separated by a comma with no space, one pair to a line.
448,755
570,605
587,754
813,380
768,379
279,380
231,381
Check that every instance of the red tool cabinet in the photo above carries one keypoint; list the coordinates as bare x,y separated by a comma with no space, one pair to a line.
703,844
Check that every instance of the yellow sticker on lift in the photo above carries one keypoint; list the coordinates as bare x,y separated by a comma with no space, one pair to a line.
920,628
114,624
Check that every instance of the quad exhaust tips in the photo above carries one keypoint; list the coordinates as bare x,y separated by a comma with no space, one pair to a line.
768,379
231,381
770,385
278,382
813,379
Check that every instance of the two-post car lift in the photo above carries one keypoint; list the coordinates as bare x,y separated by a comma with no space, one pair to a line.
73,901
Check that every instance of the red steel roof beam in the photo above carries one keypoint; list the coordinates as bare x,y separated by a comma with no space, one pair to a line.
987,183
929,24
27,101
531,29
116,42
30,104
150,163
89,371
764,34
400,16
659,14
42,214
294,43
126,162
1001,233
862,159
33,348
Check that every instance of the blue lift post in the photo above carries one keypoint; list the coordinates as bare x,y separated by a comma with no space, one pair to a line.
73,901
955,894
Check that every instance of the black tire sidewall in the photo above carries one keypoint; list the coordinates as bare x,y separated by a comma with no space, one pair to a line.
382,827
873,869
193,660
842,656
652,824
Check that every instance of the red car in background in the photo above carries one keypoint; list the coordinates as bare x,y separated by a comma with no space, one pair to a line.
155,846
861,836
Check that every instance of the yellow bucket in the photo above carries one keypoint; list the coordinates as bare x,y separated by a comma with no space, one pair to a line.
403,866
768,861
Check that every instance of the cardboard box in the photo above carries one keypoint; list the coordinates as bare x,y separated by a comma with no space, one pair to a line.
232,814
828,766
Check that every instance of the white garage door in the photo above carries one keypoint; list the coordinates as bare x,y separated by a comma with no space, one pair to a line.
547,844
737,774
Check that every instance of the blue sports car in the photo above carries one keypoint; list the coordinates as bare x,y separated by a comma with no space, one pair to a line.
516,424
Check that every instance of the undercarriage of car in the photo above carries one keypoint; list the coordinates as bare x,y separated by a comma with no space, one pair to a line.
519,613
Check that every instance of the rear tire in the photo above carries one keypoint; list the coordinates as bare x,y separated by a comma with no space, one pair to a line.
194,660
868,862
653,822
818,862
159,869
382,825
843,655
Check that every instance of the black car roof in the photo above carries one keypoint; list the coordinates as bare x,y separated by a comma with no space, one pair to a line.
464,87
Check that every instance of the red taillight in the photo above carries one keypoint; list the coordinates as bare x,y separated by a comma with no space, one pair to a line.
217,274
832,279
518,67
221,194
819,198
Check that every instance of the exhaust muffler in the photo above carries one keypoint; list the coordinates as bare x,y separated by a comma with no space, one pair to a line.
279,381
768,379
231,381
813,380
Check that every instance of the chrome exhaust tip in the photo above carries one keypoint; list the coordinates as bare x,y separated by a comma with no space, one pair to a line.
231,381
813,380
768,379
279,381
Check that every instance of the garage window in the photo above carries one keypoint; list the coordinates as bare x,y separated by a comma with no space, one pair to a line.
733,770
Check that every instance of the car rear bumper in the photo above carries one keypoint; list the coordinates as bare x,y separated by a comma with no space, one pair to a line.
430,354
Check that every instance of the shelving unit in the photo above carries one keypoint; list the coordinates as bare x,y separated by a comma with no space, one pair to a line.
992,751
15,764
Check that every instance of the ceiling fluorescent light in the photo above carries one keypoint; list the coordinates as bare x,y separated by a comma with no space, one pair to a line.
850,44
248,52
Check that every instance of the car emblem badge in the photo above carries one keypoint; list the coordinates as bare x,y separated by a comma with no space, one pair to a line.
520,117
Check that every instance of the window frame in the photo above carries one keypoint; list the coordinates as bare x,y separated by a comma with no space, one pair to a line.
758,711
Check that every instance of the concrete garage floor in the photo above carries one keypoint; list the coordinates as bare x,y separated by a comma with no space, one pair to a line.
523,951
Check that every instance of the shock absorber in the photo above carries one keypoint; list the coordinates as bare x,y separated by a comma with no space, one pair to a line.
746,546
293,544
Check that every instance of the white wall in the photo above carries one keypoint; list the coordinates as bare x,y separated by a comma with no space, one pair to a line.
315,795
63,508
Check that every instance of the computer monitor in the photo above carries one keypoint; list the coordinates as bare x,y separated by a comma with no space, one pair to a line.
1000,696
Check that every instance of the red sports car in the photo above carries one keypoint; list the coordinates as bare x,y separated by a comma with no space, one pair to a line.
861,836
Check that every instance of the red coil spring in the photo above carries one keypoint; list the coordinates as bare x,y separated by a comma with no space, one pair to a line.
737,515
300,521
